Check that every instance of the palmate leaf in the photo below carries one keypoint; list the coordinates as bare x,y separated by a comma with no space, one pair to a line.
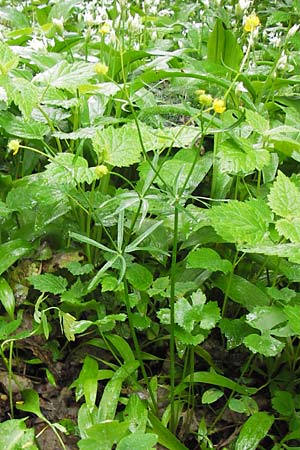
284,197
242,222
16,126
66,76
264,344
25,95
14,435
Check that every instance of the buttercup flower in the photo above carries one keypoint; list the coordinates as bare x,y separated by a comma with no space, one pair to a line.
14,146
219,105
205,99
251,23
105,29
101,68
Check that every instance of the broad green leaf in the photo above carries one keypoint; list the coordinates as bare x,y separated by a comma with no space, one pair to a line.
136,413
244,405
264,318
15,436
241,222
8,59
290,251
284,403
7,298
284,197
87,382
30,402
211,396
111,394
66,76
25,96
7,328
257,121
235,330
208,259
105,434
289,228
240,158
222,47
121,346
138,440
293,314
265,344
48,282
62,10
16,126
139,276
11,251
118,147
217,380
242,291
253,431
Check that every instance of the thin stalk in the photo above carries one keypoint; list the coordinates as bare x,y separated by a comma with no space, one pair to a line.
172,319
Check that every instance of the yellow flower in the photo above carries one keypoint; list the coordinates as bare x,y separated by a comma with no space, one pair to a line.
251,22
101,170
14,146
101,69
219,105
105,29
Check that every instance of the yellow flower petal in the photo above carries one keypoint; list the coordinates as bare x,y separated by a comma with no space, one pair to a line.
251,22
219,105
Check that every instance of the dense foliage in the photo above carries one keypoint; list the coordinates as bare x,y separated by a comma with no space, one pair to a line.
150,223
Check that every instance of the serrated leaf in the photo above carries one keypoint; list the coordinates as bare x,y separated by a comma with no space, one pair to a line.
49,283
289,228
119,147
25,96
208,259
290,251
8,59
265,344
257,121
284,197
66,76
16,126
241,222
139,276
253,431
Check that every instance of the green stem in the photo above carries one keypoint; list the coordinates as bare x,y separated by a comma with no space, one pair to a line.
172,319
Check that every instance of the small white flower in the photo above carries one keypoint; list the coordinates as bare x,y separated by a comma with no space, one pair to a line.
240,88
3,94
282,62
292,31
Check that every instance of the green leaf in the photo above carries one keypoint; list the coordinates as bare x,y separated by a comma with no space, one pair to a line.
16,126
284,197
138,440
242,291
217,380
15,436
30,403
257,121
106,434
122,346
111,394
139,276
11,251
264,318
165,437
8,59
87,382
244,405
235,330
66,76
284,403
208,259
289,228
7,298
118,147
222,47
293,315
290,251
25,96
211,396
241,222
265,344
48,282
136,413
253,431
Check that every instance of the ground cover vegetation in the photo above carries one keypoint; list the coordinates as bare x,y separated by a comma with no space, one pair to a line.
149,224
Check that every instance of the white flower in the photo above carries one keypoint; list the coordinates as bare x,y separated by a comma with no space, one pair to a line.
292,31
3,94
240,88
282,62
244,4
